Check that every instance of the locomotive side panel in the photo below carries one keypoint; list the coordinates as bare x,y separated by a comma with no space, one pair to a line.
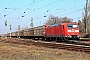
63,29
53,32
59,30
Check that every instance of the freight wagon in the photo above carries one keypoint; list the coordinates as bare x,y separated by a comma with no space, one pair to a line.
34,33
37,32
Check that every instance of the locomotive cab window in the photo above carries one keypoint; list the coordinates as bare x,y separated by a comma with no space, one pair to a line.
72,26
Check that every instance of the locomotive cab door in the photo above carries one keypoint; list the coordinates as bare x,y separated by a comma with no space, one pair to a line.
63,30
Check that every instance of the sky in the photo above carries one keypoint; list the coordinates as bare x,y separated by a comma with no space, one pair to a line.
20,12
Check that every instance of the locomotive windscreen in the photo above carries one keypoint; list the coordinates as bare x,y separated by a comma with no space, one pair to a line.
72,26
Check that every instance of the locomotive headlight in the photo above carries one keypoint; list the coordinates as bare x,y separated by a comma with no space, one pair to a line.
76,30
78,36
69,30
69,36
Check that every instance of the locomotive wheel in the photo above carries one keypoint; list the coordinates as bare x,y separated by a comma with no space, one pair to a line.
46,38
43,39
57,40
66,39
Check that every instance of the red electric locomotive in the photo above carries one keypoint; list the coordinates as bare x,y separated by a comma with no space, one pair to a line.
63,31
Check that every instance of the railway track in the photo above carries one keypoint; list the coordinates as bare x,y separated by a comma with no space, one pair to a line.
54,45
85,43
80,47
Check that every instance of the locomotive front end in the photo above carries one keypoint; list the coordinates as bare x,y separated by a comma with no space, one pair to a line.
73,31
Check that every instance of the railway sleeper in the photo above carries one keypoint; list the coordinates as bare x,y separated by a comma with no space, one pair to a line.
71,49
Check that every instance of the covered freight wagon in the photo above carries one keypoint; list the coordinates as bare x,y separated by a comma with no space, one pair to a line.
38,32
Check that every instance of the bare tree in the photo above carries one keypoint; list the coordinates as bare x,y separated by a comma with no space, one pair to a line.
56,20
66,19
81,26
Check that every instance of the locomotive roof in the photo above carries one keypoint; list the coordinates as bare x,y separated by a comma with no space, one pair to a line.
61,23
